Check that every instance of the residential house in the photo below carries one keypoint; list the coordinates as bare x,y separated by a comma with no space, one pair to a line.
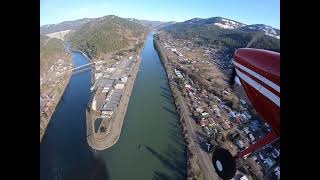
246,130
275,153
205,114
252,138
178,73
244,177
94,104
124,79
217,99
277,172
119,86
226,108
217,111
269,162
240,144
110,70
97,75
173,50
225,92
105,89
226,125
246,115
211,122
232,114
203,122
243,102
199,110
208,130
106,114
255,125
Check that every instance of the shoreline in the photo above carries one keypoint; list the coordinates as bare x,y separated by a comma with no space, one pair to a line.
164,62
59,96
194,154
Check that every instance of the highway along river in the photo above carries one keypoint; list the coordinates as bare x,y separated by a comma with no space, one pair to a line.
151,145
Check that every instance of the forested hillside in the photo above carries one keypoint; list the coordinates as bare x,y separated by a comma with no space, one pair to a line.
51,49
222,38
107,34
66,25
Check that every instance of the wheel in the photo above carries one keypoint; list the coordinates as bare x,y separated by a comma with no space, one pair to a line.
224,163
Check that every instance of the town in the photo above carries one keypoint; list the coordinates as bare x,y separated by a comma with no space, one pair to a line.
224,116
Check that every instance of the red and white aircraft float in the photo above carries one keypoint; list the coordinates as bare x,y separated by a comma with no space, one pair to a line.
259,74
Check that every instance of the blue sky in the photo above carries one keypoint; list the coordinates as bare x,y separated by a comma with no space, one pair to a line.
246,11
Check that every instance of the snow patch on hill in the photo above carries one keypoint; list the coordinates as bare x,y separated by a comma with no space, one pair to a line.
59,35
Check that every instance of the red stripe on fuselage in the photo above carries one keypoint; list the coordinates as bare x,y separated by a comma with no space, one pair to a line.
259,81
263,62
268,110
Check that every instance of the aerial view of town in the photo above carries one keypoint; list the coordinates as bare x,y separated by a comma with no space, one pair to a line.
140,96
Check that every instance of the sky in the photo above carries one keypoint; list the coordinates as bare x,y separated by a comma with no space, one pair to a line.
245,11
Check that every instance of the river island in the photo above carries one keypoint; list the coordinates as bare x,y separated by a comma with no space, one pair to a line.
111,90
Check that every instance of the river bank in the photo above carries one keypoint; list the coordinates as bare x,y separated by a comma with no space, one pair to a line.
170,74
52,108
198,164
151,145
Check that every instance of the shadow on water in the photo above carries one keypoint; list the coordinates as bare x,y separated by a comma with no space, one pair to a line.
168,99
71,163
99,170
163,77
166,89
96,169
174,157
173,113
168,94
172,160
160,176
179,140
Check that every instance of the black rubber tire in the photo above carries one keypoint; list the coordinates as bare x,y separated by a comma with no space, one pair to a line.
227,161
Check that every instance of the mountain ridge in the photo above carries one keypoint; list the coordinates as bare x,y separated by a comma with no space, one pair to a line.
226,23
63,26
107,34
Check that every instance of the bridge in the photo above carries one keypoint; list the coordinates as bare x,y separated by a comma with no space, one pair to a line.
74,70
81,67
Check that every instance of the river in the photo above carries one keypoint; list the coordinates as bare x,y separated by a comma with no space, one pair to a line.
151,123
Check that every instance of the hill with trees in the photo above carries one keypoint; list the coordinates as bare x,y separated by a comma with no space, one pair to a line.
107,34
228,36
66,25
51,49
149,24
